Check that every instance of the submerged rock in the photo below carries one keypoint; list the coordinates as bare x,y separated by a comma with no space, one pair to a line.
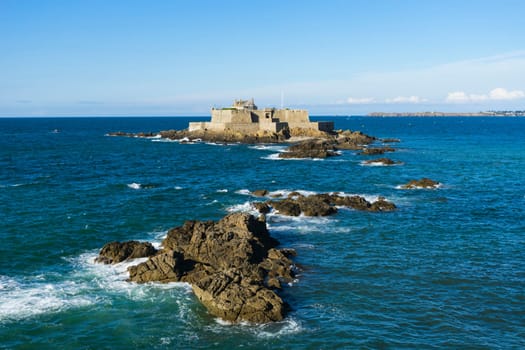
381,161
260,193
371,151
422,183
232,264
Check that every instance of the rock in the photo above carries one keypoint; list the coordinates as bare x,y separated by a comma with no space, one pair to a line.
382,161
260,193
232,264
371,151
382,205
422,183
262,207
315,206
287,207
325,204
312,148
115,252
355,140
166,267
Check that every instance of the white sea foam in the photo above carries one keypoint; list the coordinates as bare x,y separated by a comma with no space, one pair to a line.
224,190
245,207
273,148
178,187
135,186
364,163
275,156
244,191
164,140
402,187
285,327
155,137
20,299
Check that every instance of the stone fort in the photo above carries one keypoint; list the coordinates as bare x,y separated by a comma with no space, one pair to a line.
243,116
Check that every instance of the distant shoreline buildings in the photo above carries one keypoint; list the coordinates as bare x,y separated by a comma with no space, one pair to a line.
450,114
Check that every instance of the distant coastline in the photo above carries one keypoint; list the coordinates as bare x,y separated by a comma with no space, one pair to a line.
450,114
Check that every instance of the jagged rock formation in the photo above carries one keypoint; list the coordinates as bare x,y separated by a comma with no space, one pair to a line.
116,252
311,148
233,266
352,140
422,183
323,204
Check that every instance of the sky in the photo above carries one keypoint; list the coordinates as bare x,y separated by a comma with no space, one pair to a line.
180,58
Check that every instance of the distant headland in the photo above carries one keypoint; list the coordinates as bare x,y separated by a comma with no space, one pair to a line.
450,114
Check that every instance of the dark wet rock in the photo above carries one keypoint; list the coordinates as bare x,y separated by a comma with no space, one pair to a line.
287,207
382,205
312,148
260,193
232,264
325,204
422,183
262,207
352,140
116,252
383,161
372,151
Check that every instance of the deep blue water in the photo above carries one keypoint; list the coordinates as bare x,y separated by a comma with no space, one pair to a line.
444,271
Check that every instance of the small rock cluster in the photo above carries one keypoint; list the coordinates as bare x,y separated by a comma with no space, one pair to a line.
323,204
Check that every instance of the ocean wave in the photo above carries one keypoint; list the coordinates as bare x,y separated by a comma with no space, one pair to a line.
275,156
274,148
288,326
245,207
135,186
402,187
113,278
23,299
377,164
164,140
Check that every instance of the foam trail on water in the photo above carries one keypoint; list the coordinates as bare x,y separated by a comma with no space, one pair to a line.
22,299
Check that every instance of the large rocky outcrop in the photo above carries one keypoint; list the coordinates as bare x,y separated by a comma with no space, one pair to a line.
323,204
233,266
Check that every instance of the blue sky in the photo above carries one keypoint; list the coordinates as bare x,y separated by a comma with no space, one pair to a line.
101,57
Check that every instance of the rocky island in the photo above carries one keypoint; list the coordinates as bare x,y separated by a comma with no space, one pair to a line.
233,265
243,122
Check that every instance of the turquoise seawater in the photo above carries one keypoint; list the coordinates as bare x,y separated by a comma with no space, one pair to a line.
444,271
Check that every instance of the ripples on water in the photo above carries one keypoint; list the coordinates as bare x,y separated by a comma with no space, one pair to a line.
446,270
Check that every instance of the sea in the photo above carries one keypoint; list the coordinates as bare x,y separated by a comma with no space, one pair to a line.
446,270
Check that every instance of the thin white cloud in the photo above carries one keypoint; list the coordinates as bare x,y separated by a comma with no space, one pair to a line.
498,94
502,94
360,100
406,99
